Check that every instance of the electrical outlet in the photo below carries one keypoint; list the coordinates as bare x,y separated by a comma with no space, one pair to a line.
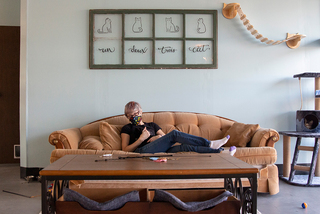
16,151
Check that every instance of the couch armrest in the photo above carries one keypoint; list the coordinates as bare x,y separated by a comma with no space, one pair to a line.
66,138
264,137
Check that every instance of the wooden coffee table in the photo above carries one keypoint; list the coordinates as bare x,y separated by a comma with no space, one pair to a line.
178,166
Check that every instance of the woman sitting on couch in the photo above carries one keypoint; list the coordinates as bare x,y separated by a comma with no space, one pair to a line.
142,137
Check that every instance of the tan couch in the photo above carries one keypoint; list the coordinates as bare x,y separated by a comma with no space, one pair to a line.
255,145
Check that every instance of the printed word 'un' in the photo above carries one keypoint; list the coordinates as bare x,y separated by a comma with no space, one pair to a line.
107,50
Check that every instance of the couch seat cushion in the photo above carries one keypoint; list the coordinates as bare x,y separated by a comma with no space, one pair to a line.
91,142
256,155
250,155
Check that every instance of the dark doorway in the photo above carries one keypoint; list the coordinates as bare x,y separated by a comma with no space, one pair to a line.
9,92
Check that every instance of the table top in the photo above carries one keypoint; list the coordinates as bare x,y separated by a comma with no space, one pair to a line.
307,74
300,134
177,164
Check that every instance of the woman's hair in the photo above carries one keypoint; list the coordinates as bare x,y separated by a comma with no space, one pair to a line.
131,106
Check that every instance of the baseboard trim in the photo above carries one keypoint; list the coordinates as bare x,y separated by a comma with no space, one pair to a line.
280,169
27,171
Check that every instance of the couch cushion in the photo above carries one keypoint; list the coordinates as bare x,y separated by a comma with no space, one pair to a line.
210,127
91,129
59,153
91,142
241,134
110,136
207,126
256,155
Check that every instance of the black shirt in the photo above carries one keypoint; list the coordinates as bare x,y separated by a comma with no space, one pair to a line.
135,131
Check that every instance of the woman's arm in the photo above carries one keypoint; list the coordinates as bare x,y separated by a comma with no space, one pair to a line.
125,139
159,133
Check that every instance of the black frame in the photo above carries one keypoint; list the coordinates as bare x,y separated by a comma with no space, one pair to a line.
153,39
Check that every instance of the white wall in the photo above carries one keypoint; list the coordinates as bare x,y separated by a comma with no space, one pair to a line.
9,12
253,82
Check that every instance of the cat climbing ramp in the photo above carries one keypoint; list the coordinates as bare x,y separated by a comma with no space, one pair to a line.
230,11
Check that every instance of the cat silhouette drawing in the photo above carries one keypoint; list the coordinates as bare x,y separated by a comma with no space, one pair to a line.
106,28
170,27
201,27
137,26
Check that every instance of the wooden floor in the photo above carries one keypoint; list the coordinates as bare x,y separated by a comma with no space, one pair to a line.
288,200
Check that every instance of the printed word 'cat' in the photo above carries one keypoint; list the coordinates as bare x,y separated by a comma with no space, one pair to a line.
199,48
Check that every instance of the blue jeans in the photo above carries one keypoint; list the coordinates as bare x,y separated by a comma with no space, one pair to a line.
189,143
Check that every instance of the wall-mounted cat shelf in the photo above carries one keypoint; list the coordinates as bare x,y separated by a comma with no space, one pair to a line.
230,11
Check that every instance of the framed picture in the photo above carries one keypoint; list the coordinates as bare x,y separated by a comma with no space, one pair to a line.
153,39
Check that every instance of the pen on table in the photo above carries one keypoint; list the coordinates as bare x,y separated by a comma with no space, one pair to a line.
101,160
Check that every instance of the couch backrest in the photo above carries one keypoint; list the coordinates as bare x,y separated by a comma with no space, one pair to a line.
204,125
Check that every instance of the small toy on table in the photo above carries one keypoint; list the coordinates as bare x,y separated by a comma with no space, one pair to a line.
158,159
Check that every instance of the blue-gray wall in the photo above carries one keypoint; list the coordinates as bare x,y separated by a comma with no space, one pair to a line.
253,82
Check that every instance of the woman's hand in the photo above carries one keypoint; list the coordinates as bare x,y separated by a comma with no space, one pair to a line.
144,135
154,138
159,133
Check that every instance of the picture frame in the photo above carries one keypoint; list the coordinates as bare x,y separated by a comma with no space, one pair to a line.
153,39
